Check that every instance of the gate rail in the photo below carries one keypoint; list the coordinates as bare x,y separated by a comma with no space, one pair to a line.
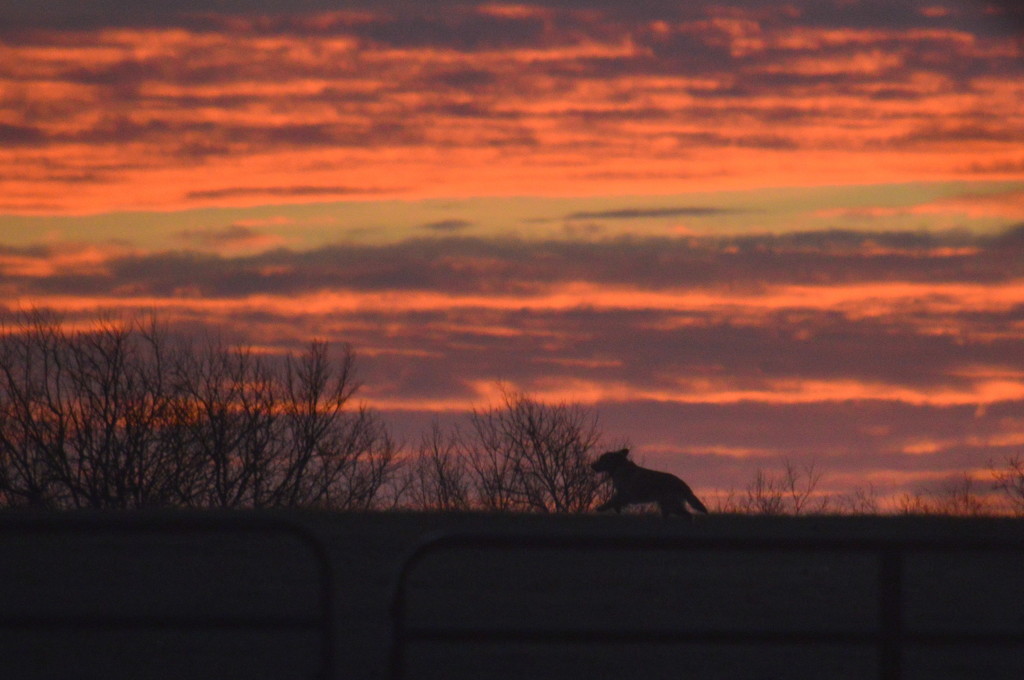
889,638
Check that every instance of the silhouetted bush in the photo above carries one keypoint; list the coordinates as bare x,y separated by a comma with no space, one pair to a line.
793,491
522,455
530,456
955,496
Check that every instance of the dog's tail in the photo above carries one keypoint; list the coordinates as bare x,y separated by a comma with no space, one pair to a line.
692,499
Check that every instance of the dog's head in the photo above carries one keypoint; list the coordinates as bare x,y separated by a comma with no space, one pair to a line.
608,462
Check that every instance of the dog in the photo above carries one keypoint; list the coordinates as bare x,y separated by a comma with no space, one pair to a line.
634,484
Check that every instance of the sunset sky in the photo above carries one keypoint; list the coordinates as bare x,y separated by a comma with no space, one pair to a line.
740,230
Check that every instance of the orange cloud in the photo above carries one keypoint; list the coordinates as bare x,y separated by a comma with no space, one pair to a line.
783,391
1008,205
544,101
64,259
855,300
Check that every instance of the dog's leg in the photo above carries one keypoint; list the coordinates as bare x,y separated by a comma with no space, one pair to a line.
674,505
613,503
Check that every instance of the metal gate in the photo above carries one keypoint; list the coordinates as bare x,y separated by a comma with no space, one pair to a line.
319,621
889,637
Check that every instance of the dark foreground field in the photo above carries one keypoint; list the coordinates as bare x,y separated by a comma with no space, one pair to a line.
307,595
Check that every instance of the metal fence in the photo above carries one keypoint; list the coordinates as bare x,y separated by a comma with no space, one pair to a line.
319,622
889,637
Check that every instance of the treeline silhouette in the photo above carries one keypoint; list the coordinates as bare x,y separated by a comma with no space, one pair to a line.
124,413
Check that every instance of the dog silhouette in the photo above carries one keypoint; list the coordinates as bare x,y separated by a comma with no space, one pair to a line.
635,485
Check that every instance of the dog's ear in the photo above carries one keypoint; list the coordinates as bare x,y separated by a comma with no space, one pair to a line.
622,453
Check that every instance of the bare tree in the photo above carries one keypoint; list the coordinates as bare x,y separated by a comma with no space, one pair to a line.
83,415
962,499
336,456
530,456
439,475
124,416
861,501
955,496
121,408
764,495
227,418
915,503
727,502
801,484
34,418
1010,480
285,436
792,491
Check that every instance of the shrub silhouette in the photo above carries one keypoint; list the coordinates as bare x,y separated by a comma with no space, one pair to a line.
522,455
